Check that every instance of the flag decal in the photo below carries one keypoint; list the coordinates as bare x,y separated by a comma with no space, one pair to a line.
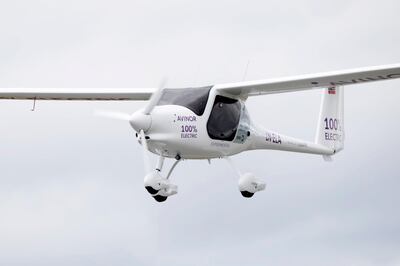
332,90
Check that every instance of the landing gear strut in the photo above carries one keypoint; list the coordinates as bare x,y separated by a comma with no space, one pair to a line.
159,187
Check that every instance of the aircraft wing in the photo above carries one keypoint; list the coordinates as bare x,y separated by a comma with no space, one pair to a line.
245,89
305,82
87,94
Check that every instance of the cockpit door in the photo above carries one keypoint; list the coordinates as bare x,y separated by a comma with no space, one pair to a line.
224,118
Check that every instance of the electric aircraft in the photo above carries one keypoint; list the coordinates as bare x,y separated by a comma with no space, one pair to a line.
205,123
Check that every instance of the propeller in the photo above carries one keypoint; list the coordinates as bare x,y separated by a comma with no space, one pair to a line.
130,118
155,97
140,120
145,153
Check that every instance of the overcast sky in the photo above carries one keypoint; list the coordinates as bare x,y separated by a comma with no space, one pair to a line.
71,185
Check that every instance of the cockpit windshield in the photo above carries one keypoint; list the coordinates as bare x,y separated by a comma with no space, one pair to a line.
194,99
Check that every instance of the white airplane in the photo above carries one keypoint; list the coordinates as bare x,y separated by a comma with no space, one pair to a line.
213,122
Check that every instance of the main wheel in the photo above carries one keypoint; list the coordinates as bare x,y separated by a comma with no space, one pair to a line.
246,194
160,198
151,190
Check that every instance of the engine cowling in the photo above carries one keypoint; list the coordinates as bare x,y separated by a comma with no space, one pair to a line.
159,187
249,184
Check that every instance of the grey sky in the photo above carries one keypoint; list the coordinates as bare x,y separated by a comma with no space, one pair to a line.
71,188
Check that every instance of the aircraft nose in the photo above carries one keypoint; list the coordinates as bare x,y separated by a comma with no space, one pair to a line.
140,121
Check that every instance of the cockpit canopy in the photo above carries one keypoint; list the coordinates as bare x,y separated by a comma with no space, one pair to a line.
194,99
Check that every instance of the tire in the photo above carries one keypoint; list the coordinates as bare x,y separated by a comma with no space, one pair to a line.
160,198
247,194
151,190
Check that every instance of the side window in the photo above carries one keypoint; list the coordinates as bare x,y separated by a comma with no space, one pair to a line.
224,118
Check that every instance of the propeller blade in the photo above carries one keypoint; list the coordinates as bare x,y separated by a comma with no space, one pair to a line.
113,115
145,149
155,97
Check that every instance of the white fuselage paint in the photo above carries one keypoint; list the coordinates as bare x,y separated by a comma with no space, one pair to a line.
176,130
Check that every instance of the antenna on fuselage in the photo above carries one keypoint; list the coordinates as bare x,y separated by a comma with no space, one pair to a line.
34,105
245,70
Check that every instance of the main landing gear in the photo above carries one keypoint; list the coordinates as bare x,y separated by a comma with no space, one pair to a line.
159,187
248,183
